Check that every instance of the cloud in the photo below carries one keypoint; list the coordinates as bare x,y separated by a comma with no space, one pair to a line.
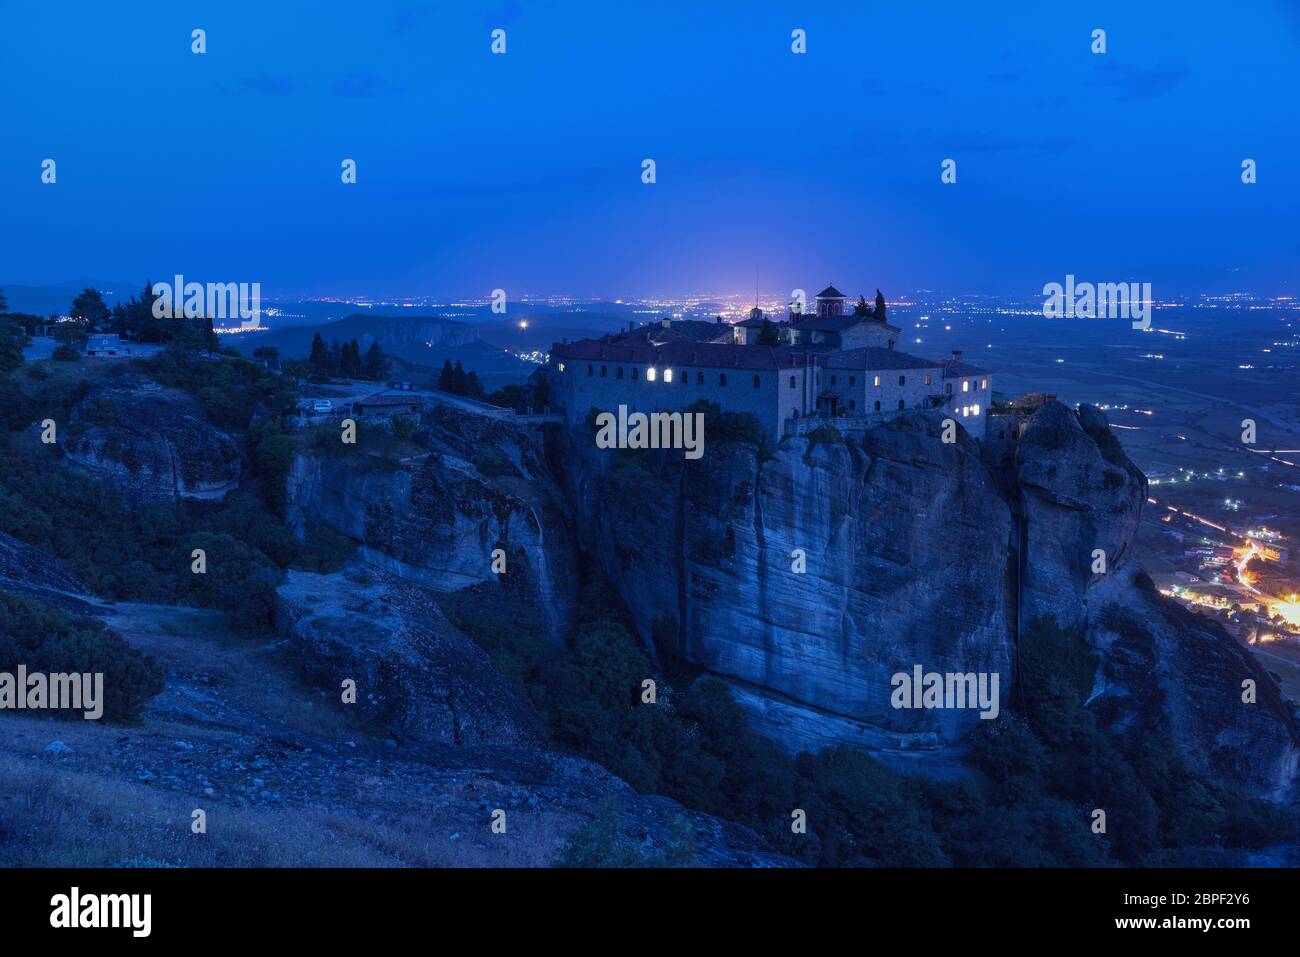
408,18
268,84
363,84
1136,83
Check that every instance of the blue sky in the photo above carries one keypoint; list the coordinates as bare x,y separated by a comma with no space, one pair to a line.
522,171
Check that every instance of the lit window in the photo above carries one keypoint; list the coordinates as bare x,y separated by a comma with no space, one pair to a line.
876,382
975,409
650,374
929,379
965,385
668,375
561,366
984,383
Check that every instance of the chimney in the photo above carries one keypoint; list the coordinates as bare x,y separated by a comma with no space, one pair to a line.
956,355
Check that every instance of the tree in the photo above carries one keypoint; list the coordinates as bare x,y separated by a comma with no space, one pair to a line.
862,309
376,362
472,387
354,357
446,378
210,339
4,303
89,309
880,306
319,357
345,361
768,334
12,341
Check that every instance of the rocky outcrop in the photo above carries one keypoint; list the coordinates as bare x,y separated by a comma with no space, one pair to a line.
29,571
415,674
811,577
436,519
917,553
150,442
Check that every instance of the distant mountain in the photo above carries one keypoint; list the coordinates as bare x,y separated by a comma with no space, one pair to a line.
57,297
424,340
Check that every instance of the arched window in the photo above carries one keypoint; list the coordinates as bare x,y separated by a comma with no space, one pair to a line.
757,382
853,380
900,404
832,380
902,380
618,373
590,370
604,372
699,378
635,373
948,388
877,405
852,405
722,379
792,385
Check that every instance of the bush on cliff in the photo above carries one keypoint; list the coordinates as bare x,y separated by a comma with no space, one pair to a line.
48,639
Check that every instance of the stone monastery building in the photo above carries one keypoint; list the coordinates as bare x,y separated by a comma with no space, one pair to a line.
808,370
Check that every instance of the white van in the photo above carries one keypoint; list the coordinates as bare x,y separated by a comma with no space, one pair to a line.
322,407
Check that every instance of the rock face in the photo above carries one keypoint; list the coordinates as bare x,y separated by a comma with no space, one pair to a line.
905,541
436,519
29,571
150,443
415,674
917,553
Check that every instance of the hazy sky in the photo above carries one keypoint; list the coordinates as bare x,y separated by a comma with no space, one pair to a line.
523,171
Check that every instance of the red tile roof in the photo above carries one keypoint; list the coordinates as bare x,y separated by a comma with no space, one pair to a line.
715,355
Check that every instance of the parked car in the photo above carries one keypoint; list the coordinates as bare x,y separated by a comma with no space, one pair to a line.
322,407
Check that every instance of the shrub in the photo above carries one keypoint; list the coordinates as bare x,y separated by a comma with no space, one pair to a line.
48,639
66,352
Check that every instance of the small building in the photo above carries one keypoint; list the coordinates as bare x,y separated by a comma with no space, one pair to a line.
387,404
106,344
